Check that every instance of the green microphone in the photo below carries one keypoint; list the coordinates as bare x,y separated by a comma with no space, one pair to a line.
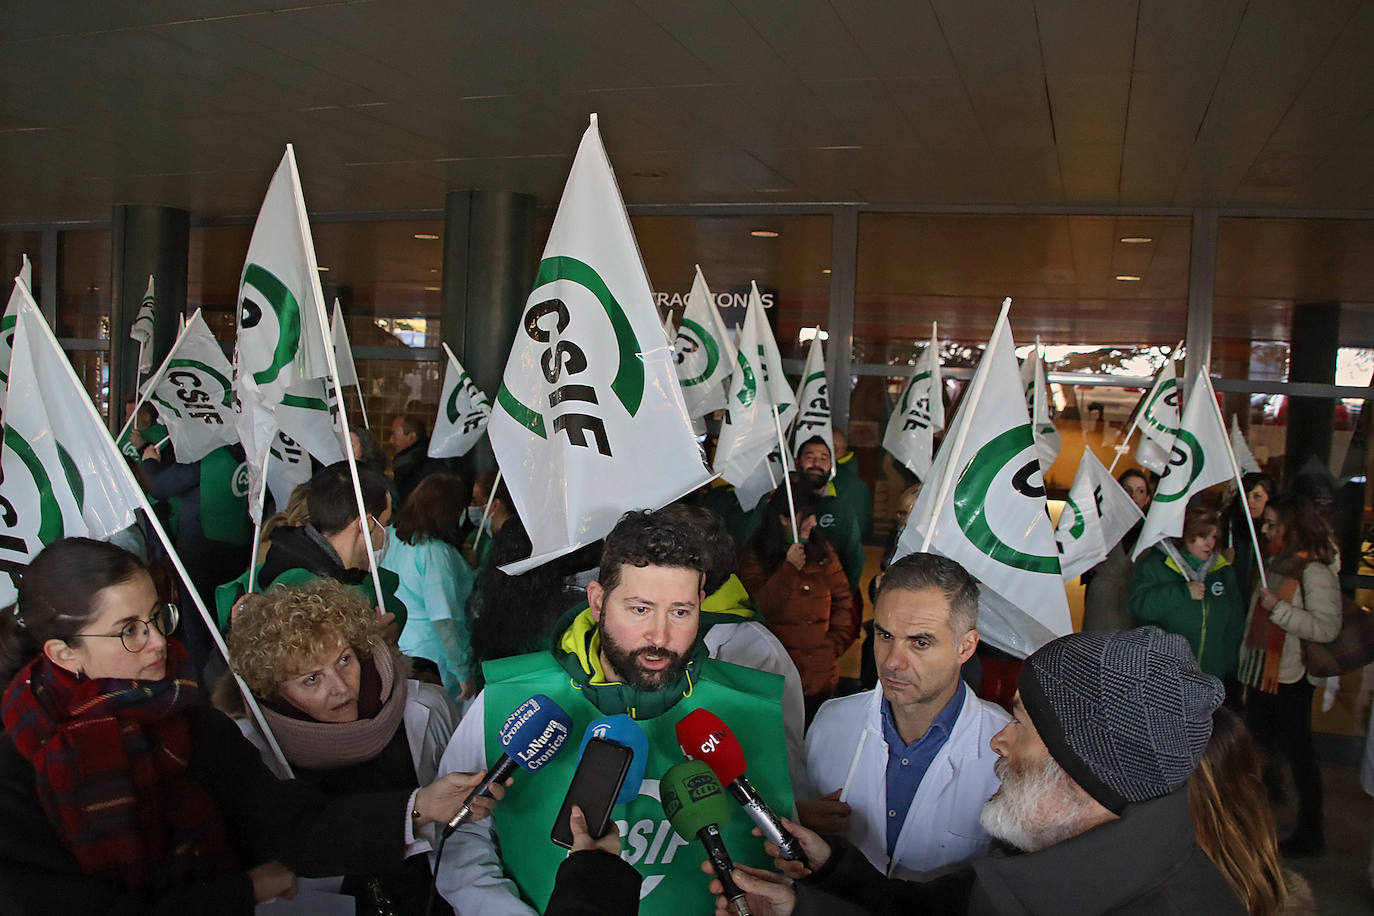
696,806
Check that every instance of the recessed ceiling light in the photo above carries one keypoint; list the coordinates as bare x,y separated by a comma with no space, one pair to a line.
764,234
1128,278
427,236
825,270
1136,240
839,147
773,190
434,270
323,270
431,289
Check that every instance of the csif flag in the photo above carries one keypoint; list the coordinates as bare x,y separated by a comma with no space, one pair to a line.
1245,459
62,475
984,507
463,413
813,403
343,350
141,331
1159,419
194,392
1200,457
22,287
748,433
910,434
1047,440
1097,514
703,351
589,421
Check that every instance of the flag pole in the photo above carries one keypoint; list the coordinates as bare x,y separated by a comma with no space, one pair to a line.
1235,471
486,511
257,526
362,406
974,395
145,391
249,700
1124,447
786,478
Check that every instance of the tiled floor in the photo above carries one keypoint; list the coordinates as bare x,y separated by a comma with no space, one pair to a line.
1340,877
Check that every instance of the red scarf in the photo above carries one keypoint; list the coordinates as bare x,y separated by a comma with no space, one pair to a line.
110,758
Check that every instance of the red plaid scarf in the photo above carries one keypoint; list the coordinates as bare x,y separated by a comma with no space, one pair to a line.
110,757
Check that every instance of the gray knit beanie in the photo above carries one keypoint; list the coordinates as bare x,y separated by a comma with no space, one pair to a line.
1126,714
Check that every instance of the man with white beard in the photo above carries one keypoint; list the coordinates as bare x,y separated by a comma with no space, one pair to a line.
1106,730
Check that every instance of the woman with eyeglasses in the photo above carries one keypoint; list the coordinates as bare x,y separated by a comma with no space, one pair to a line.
121,792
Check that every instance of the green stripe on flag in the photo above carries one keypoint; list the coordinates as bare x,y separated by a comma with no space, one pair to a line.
530,419
712,352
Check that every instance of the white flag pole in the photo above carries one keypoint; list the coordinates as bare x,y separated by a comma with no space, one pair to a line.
249,700
486,511
257,526
1124,447
362,406
974,394
786,479
145,391
1206,379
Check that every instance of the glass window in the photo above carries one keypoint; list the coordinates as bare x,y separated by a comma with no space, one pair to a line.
83,284
393,387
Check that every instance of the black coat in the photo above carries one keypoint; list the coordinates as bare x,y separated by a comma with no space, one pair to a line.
411,465
267,819
1147,863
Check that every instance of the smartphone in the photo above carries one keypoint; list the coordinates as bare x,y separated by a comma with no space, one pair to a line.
595,785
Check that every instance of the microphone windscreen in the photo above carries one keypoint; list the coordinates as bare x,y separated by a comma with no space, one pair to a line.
535,733
692,798
703,736
626,732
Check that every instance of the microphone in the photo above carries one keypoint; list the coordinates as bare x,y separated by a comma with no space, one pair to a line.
530,737
703,736
695,805
626,732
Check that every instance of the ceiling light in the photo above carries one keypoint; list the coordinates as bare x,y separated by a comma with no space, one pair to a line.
840,146
806,334
323,270
431,289
764,234
825,270
1136,240
434,270
1128,278
427,236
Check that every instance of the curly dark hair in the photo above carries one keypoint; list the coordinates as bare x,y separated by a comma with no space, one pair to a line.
646,537
717,544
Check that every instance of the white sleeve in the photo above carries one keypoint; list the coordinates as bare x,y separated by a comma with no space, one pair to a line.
470,874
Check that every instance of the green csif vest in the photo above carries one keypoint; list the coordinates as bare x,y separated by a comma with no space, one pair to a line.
224,498
749,701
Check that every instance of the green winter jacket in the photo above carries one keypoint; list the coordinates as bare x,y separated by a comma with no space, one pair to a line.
1213,626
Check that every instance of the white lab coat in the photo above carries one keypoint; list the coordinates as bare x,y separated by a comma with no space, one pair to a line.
941,829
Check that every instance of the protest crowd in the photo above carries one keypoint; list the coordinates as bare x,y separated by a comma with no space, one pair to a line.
249,657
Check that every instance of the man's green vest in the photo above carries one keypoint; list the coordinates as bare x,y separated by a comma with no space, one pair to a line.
749,701
224,498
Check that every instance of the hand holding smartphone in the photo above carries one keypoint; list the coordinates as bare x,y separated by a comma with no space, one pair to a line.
595,785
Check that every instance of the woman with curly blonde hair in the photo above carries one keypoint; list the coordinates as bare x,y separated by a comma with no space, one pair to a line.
339,703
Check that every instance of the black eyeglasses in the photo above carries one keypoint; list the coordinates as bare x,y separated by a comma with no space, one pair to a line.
134,634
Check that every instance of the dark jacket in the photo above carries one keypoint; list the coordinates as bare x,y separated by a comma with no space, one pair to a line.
595,883
411,465
297,557
1145,864
267,819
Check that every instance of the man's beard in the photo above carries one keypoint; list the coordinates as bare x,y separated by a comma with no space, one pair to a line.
626,664
815,478
1035,810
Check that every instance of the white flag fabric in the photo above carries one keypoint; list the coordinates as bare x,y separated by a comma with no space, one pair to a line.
705,356
1200,458
1245,458
26,272
194,391
343,350
287,468
63,476
1159,420
282,342
1047,440
141,331
590,421
309,414
1096,516
813,404
21,290
748,432
910,434
464,412
995,522
770,359
669,332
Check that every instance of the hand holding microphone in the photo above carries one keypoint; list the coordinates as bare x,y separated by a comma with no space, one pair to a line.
703,736
530,737
695,805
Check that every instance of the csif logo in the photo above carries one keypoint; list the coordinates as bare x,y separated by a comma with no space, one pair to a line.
1167,397
30,514
269,323
1010,453
477,407
193,390
916,412
1186,461
696,352
557,319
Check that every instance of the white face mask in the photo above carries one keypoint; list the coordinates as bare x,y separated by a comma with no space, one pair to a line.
475,515
379,553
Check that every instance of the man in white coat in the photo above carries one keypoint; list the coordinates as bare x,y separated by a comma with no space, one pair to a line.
903,770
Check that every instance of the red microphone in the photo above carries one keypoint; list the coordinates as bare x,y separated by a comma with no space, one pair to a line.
703,736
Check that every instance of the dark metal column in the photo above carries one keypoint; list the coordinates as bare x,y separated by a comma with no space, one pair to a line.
145,241
1311,358
489,263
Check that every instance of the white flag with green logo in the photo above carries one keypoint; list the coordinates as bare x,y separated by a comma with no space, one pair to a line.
910,433
1158,420
1097,514
590,421
703,351
994,519
1200,458
748,432
813,403
1047,439
63,476
464,412
194,393
287,468
343,350
1245,458
309,414
141,331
